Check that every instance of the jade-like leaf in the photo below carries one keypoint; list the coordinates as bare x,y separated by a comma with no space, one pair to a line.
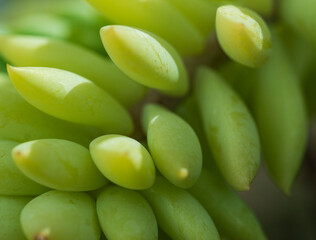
178,213
123,161
61,215
58,164
156,16
243,35
282,119
32,51
230,129
125,214
230,213
12,181
10,208
173,145
146,58
70,97
20,121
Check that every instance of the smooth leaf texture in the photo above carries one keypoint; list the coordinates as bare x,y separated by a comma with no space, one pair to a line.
156,16
146,58
54,214
231,215
125,214
19,121
243,35
70,97
173,145
123,161
282,119
32,51
10,208
58,164
12,181
230,129
178,213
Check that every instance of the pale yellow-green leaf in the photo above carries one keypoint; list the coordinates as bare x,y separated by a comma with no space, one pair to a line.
156,16
125,214
123,161
32,51
58,164
173,145
70,97
243,35
146,58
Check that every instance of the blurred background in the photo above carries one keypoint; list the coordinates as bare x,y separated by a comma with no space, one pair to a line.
282,217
